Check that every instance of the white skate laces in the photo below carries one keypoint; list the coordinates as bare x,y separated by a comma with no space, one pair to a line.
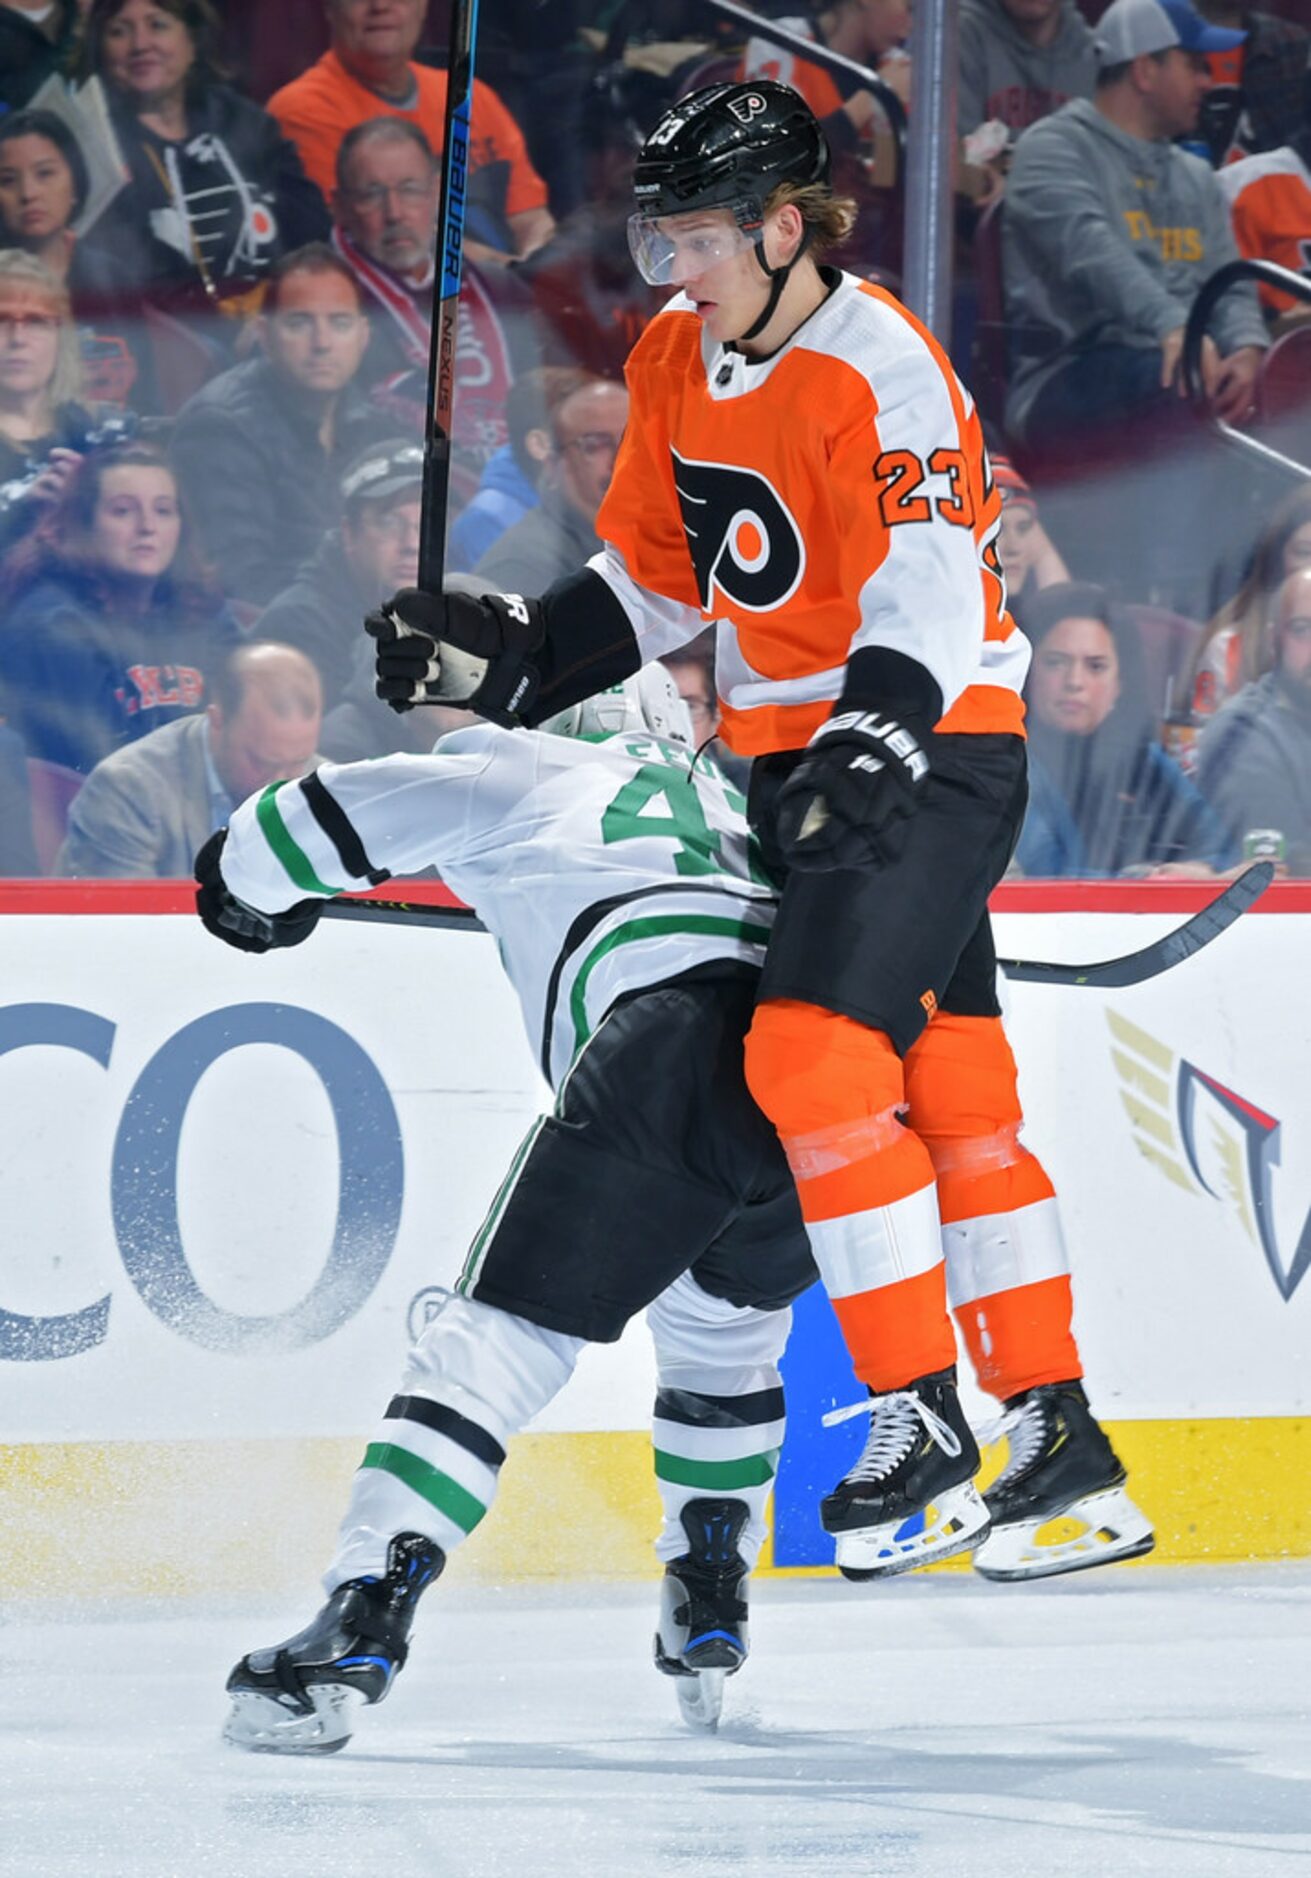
892,1432
1025,1429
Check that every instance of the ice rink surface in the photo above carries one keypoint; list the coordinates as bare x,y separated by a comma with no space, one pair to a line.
1145,1721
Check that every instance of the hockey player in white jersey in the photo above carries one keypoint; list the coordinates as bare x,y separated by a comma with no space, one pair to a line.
632,917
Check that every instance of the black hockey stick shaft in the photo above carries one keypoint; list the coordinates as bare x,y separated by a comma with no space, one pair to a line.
1161,954
449,263
1110,974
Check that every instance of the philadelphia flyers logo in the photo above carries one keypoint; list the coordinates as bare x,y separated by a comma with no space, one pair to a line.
748,106
744,543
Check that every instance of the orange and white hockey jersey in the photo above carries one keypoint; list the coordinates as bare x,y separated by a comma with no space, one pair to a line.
763,59
1270,202
834,496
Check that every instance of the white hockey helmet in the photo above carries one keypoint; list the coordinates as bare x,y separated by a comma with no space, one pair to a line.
648,701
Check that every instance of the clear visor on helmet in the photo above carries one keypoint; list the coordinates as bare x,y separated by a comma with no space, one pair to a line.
679,248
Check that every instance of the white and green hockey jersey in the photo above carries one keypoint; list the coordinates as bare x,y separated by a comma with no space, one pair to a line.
600,867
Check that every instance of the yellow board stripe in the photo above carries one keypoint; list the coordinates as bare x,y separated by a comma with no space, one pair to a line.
186,1518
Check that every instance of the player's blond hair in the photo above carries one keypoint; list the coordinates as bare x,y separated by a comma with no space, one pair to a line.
829,218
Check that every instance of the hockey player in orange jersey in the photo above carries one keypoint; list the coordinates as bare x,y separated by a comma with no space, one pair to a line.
803,468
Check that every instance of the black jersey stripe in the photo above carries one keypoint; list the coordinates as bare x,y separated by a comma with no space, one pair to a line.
691,1409
335,823
441,1420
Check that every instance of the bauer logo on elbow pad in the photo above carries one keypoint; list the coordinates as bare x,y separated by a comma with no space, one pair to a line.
743,540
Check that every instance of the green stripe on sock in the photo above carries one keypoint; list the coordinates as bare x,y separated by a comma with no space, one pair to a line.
293,858
753,1470
447,1495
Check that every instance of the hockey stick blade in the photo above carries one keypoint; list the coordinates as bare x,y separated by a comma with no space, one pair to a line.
1135,967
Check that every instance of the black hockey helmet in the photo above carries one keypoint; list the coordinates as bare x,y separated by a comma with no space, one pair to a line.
728,146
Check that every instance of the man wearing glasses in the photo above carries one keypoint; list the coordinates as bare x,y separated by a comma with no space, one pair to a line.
560,533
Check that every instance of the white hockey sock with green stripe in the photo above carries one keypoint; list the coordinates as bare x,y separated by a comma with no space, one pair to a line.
719,1417
476,1377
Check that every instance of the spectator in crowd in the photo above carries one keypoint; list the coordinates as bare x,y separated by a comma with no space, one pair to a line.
216,193
508,487
872,32
388,189
145,810
1259,97
43,189
45,428
18,859
369,69
1020,60
373,552
1254,757
1104,798
1238,646
1109,233
36,41
559,535
262,448
1028,559
1269,197
109,629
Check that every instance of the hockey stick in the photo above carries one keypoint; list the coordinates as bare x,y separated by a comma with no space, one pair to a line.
1161,954
449,261
1108,974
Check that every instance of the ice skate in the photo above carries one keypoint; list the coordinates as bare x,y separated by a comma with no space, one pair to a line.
702,1636
910,1498
1059,1504
301,1697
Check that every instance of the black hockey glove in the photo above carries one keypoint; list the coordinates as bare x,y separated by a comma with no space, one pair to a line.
453,648
848,802
237,924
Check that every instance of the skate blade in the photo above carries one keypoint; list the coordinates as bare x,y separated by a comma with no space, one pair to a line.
955,1522
701,1699
1108,1528
261,1725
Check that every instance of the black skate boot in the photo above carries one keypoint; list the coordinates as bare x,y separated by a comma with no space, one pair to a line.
702,1636
909,1499
300,1696
1061,1468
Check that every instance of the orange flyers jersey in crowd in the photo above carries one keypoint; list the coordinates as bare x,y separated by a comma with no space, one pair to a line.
317,109
763,60
834,496
1270,202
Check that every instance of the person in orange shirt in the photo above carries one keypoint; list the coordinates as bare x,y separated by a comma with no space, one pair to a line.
803,467
870,31
1269,200
367,70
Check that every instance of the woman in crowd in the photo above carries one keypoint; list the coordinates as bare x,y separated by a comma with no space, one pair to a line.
217,193
1028,558
107,627
43,191
1104,797
1238,645
45,427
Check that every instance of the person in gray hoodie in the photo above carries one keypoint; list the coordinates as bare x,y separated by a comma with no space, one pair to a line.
1109,233
1020,60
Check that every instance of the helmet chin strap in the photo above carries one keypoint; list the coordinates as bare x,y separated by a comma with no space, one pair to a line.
778,280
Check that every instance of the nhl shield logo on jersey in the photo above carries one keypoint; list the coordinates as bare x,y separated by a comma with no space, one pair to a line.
743,541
